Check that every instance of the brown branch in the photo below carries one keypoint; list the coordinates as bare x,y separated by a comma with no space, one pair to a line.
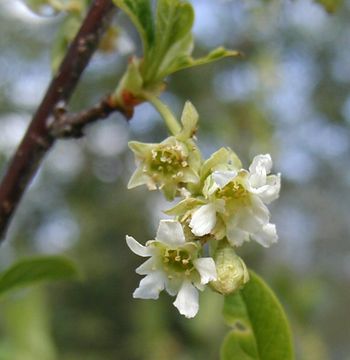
38,138
68,125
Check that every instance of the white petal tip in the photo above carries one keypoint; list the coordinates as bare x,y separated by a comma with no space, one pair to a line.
187,300
206,268
137,294
203,220
136,247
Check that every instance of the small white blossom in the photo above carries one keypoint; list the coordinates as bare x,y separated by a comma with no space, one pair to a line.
238,198
234,200
171,164
173,265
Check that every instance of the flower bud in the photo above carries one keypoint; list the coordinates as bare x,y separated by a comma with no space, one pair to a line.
231,270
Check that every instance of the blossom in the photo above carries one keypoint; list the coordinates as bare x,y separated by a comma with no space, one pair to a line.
171,164
173,265
233,201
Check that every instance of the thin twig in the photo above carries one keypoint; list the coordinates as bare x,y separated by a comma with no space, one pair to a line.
38,138
68,125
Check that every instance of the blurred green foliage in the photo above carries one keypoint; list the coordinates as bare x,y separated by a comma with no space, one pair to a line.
30,271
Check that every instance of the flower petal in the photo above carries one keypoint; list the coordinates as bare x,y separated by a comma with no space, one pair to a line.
252,219
206,268
141,149
184,206
222,157
259,168
137,248
171,233
147,267
150,286
261,164
270,191
222,178
189,119
190,176
138,178
259,210
235,235
203,220
267,236
173,286
187,300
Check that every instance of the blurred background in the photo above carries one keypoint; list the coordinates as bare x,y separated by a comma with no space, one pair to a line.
289,96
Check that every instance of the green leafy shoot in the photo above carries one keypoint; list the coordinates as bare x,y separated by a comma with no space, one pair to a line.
33,270
173,38
167,40
140,13
260,330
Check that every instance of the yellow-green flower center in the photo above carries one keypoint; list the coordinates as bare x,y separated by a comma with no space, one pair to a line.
177,261
234,193
233,190
168,160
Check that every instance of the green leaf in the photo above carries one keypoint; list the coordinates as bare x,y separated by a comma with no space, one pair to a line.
176,17
140,13
260,330
214,55
32,270
174,20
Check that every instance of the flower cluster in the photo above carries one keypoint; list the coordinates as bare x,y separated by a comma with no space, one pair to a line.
221,204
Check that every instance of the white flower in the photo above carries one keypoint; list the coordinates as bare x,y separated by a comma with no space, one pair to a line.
234,200
174,265
171,164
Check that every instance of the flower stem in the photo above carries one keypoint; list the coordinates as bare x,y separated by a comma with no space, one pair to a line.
169,118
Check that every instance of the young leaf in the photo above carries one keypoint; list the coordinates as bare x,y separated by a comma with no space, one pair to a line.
167,43
32,270
260,329
214,55
140,13
174,22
